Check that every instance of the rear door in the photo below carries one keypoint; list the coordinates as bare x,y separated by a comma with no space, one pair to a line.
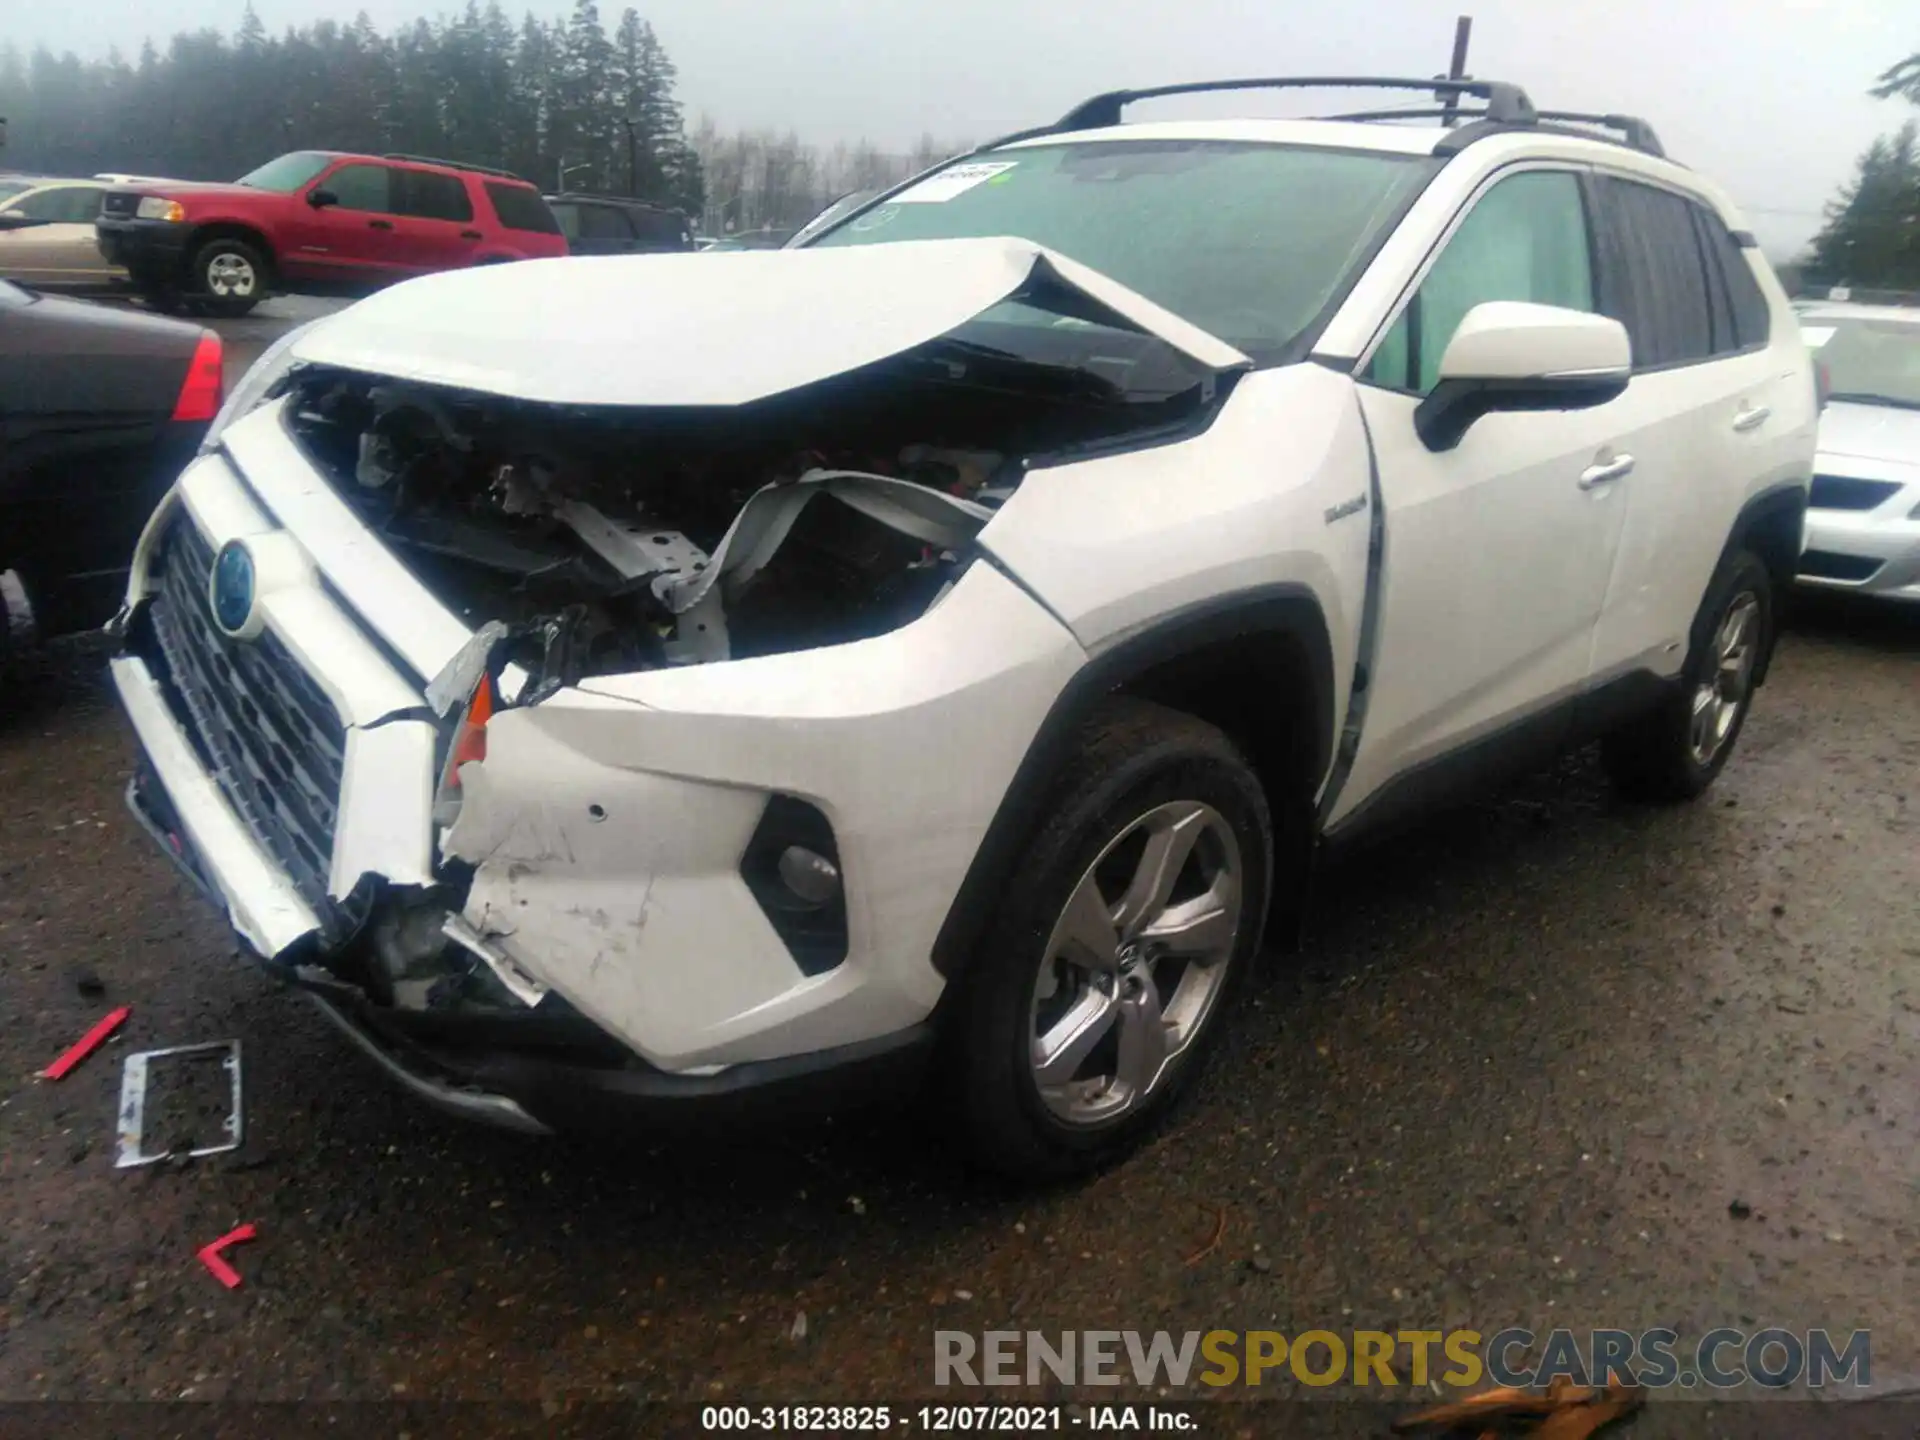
434,227
1720,407
1499,550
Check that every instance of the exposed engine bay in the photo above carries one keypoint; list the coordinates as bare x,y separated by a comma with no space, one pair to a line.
601,540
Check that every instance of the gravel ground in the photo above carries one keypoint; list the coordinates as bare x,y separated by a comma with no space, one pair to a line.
1535,1054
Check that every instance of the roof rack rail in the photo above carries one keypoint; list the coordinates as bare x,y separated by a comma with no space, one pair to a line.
453,165
608,195
1636,132
1506,104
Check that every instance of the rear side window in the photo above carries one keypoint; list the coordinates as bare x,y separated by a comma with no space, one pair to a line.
521,208
1657,274
603,222
658,228
1751,318
1525,239
430,196
67,205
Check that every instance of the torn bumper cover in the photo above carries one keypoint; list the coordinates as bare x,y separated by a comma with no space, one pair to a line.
595,866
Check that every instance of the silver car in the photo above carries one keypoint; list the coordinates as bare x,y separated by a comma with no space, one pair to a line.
1863,525
47,238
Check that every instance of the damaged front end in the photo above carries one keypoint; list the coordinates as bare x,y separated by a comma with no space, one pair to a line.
396,776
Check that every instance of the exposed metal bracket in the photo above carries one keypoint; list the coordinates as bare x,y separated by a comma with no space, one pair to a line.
133,1103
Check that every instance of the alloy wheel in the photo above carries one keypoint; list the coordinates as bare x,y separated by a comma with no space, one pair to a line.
1723,691
230,276
1135,962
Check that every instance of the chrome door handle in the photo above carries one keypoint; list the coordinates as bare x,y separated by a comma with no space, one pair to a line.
1751,418
1606,472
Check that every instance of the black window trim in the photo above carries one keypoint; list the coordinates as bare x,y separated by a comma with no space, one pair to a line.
1696,202
1705,215
1693,199
1411,290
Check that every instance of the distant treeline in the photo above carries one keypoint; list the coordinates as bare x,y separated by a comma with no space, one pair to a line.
543,99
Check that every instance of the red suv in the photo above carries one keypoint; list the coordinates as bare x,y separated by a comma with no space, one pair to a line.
317,221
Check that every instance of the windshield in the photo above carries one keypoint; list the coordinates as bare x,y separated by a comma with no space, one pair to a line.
11,188
287,174
1248,241
1871,361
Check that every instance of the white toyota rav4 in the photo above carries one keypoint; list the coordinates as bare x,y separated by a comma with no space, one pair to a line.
688,686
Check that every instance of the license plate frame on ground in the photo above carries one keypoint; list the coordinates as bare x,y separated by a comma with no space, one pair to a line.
133,1104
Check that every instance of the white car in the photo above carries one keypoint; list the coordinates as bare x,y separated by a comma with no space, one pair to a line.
632,689
1863,527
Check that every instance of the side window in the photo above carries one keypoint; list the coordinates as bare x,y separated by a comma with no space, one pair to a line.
361,187
47,205
1657,272
1752,317
1525,239
429,196
568,217
603,222
83,204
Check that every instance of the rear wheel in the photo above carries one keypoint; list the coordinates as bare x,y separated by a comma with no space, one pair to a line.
1674,752
1106,978
228,276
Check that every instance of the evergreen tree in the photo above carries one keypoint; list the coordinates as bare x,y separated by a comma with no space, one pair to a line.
1872,235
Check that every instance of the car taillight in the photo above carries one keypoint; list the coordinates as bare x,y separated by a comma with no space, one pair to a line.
469,744
1822,383
201,391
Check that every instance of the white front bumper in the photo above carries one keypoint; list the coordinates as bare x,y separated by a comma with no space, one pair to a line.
606,828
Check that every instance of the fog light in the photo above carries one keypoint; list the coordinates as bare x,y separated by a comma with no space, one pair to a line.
792,867
812,877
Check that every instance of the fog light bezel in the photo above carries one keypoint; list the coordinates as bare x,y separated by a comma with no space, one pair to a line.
814,932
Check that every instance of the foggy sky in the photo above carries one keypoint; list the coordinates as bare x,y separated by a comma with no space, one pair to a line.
1767,96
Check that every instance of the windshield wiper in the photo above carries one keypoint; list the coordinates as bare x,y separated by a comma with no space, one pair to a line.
1867,397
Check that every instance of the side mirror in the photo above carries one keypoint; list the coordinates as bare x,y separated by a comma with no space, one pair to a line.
320,199
1511,355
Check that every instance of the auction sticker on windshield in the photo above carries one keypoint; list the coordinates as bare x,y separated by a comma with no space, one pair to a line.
951,182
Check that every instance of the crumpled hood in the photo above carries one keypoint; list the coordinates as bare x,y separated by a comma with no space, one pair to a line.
1871,432
694,329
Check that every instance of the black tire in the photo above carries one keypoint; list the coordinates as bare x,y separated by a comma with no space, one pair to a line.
1654,758
227,276
1131,757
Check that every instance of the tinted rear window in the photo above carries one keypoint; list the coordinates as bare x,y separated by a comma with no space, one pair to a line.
431,196
603,222
521,208
1658,275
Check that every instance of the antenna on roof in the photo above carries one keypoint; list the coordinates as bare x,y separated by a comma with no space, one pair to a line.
1462,33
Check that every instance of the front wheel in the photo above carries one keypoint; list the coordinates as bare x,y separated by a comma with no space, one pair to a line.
228,276
1674,752
1104,982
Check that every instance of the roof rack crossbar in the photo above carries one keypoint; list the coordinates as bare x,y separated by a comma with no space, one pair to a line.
1506,103
452,164
1636,132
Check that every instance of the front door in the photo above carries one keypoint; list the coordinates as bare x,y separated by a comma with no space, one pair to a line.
1497,552
353,239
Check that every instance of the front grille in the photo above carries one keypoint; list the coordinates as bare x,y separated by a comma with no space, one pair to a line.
1826,565
266,731
120,206
1842,492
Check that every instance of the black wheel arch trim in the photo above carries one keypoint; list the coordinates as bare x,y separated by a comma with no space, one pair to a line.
1284,611
1788,497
